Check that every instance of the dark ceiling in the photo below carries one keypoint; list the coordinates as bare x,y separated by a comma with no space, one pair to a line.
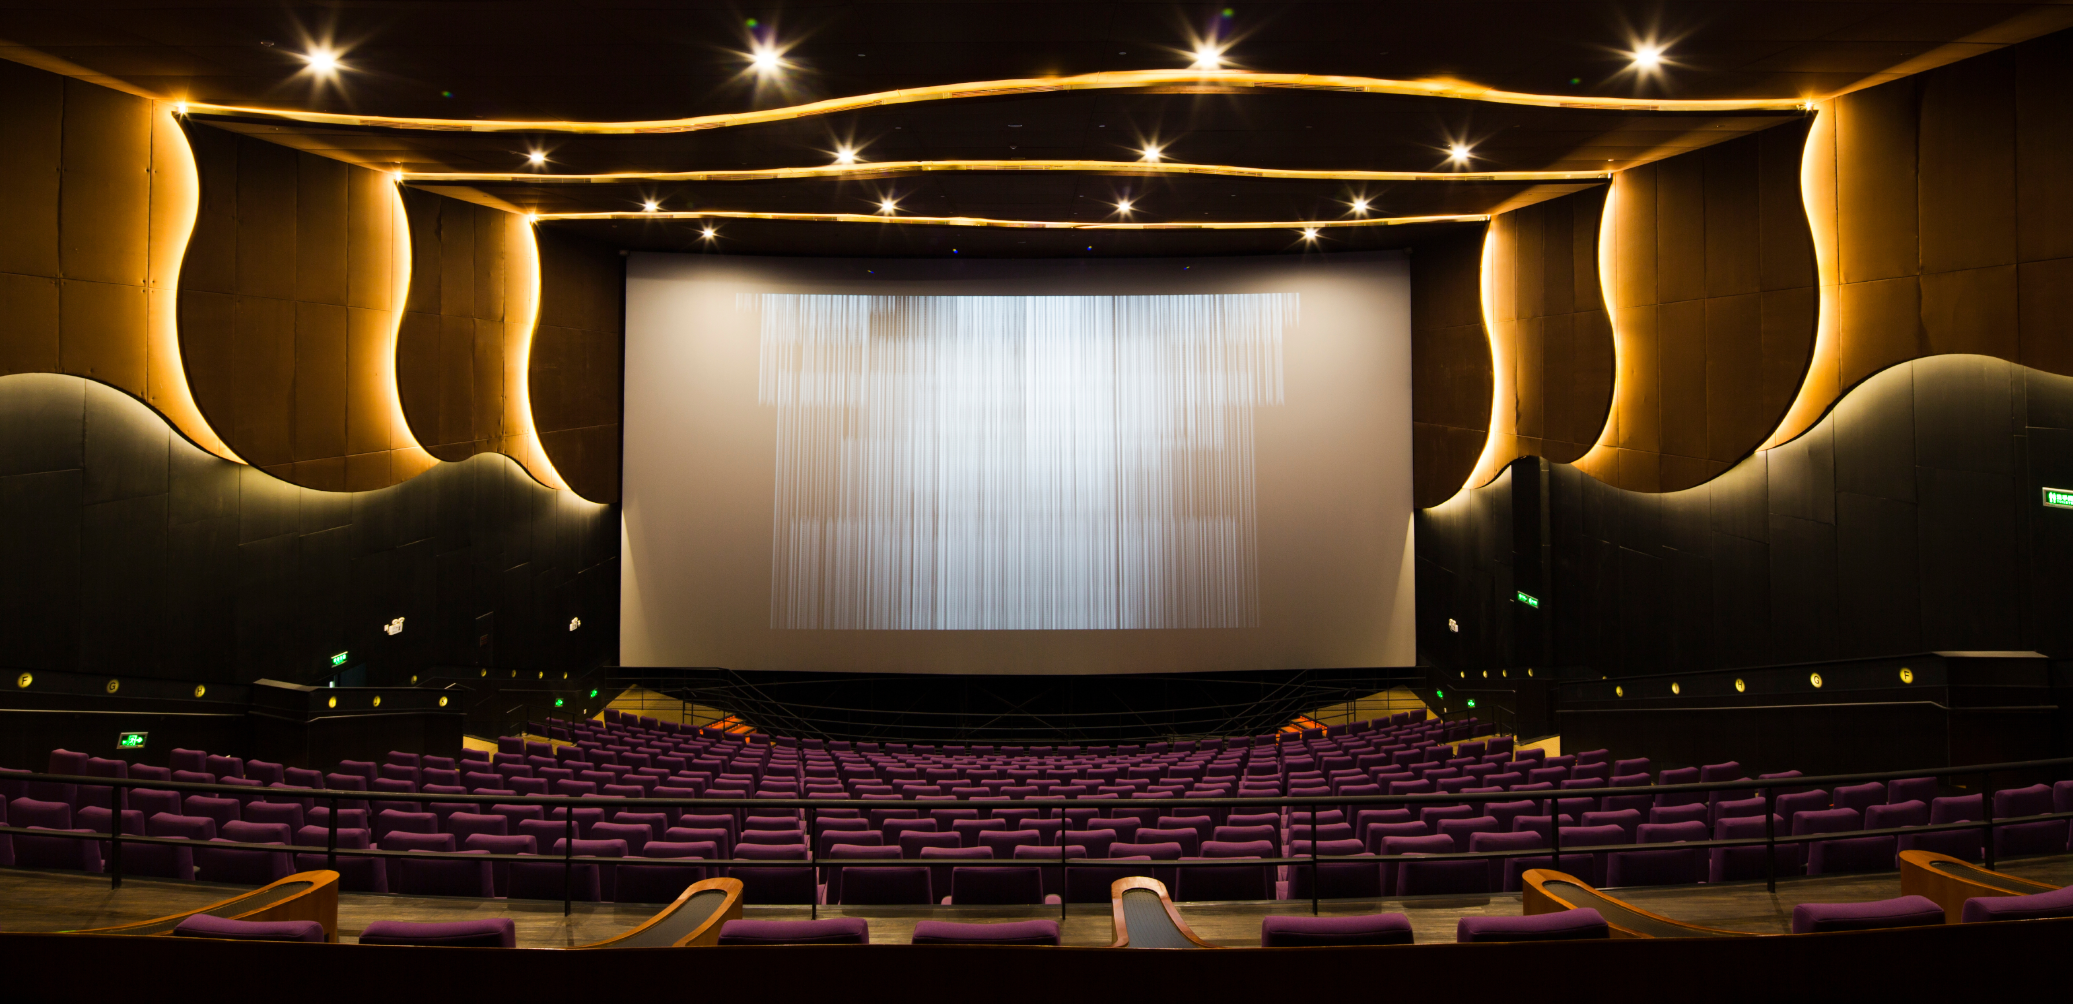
620,60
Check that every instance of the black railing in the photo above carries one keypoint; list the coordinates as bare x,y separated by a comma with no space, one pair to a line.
810,806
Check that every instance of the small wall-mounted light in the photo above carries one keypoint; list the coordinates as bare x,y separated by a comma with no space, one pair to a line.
1907,675
1486,674
393,628
1675,689
377,700
565,674
413,679
442,700
574,623
557,702
1619,691
331,702
485,672
1815,679
543,675
114,685
200,689
593,693
1453,626
1740,686
180,109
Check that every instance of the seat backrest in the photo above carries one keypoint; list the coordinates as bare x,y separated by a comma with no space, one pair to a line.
286,813
256,833
1246,833
1827,821
1521,840
499,844
1882,817
2031,801
1728,771
1677,814
1418,845
398,840
1859,796
1954,808
634,835
1669,833
615,849
1595,836
167,824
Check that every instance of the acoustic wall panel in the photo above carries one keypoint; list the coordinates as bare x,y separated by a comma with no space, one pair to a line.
1450,365
575,374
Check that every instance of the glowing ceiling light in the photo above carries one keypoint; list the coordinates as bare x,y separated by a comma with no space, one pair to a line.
1123,206
536,158
650,206
1458,153
322,62
1151,154
1309,233
180,109
708,233
1648,56
1208,56
845,156
765,60
887,205
1360,207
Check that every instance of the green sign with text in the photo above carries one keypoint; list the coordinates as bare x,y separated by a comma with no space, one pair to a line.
2059,498
131,740
1530,600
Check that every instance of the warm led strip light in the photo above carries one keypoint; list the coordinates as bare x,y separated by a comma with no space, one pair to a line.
981,221
890,168
1112,80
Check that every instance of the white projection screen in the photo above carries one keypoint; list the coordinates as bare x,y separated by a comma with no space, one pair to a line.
1017,466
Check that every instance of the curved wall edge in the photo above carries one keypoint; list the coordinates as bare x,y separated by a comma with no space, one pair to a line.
175,204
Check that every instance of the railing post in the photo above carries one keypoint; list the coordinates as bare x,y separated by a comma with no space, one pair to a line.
568,863
1986,815
1316,878
331,837
813,864
1770,839
1555,830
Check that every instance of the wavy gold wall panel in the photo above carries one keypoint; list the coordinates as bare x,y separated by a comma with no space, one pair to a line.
99,195
576,364
1551,341
1710,275
1944,217
1451,375
288,311
467,332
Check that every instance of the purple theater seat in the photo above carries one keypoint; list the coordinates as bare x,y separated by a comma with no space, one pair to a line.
775,884
164,861
51,852
1565,925
2037,906
1335,879
1503,876
222,810
202,925
1020,932
500,871
1442,878
1333,932
1911,789
833,931
996,886
544,879
1678,814
355,874
1906,911
430,876
243,867
2019,839
389,821
287,813
102,795
1681,866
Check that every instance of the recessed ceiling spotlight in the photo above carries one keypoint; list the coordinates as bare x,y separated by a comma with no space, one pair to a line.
845,155
1309,233
1151,154
1458,153
1648,56
887,205
536,158
765,59
650,206
708,233
1208,56
1360,207
1123,206
322,61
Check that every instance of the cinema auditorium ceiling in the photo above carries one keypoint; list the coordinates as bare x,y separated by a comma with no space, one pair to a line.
687,126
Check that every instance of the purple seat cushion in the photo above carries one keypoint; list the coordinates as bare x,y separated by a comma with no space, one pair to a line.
1567,925
833,931
1020,932
496,932
202,925
1907,911
2038,906
1322,932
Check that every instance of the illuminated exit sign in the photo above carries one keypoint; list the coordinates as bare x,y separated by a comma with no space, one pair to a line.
339,659
2059,498
131,740
1530,600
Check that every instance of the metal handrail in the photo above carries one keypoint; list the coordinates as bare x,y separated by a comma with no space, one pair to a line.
334,796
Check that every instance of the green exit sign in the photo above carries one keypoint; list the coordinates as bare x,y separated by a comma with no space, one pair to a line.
1529,599
2059,498
339,659
131,740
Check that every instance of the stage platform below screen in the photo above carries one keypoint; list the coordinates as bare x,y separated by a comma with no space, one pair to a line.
63,901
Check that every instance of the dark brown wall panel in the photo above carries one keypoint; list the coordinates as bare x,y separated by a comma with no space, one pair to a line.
1451,378
286,313
576,366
